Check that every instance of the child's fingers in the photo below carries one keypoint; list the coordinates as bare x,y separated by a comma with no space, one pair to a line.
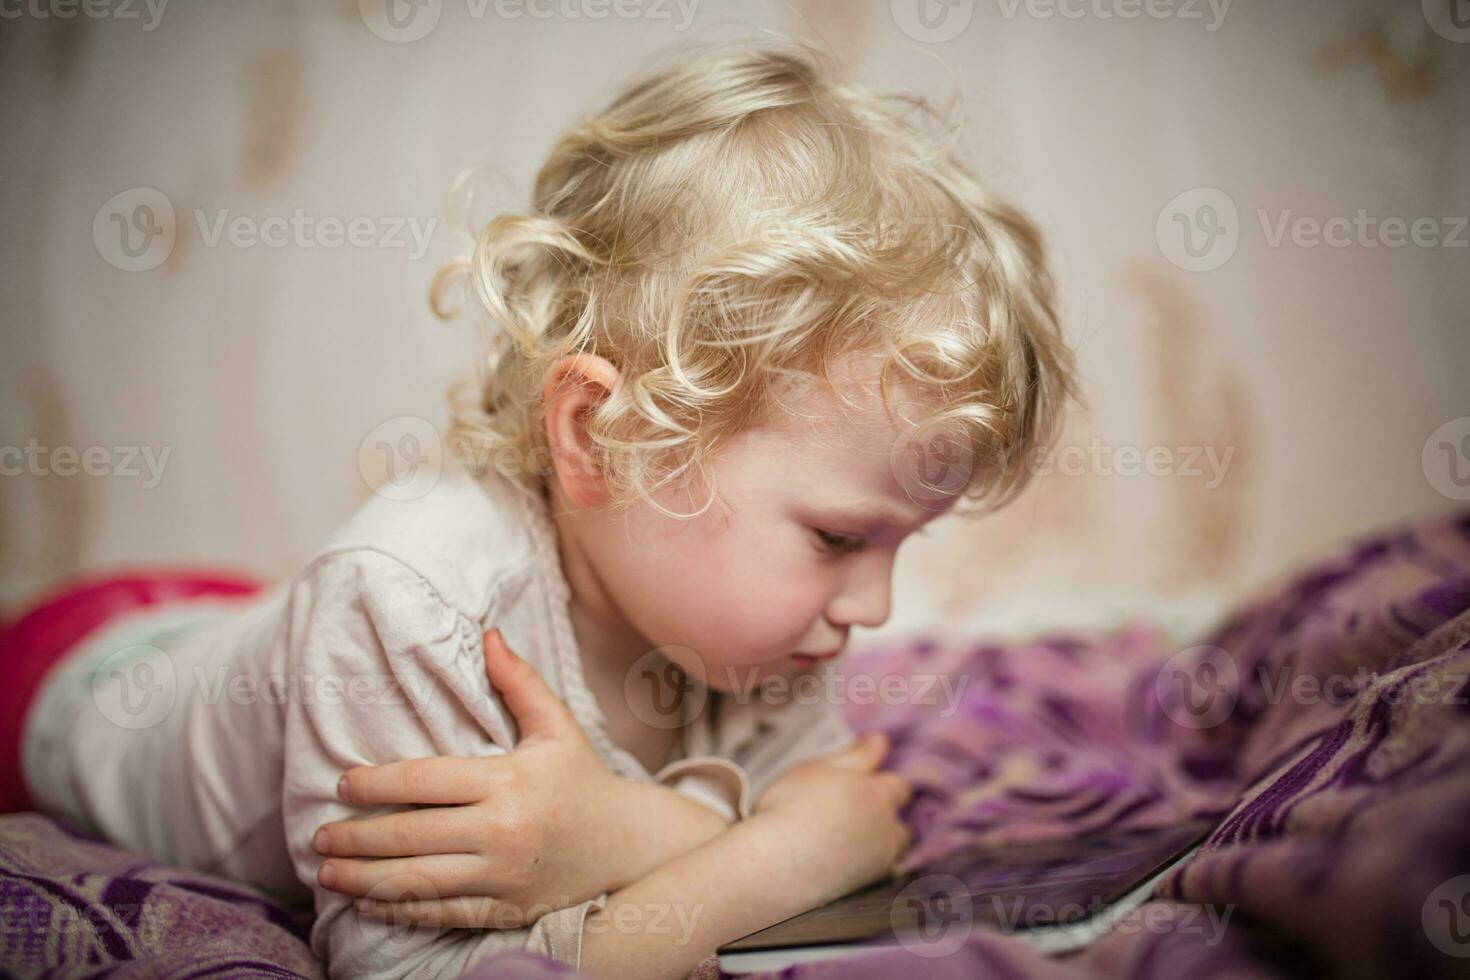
866,753
435,780
464,912
396,879
898,788
537,709
435,831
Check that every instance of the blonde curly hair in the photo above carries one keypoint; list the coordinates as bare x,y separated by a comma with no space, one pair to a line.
739,219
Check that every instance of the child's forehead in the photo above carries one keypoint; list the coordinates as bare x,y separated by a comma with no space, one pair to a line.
844,440
853,406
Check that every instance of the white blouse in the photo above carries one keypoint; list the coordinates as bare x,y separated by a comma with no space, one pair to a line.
211,733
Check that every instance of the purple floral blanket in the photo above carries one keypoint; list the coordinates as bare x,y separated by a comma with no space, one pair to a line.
1325,725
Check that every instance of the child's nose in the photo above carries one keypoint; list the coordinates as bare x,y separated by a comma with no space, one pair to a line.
866,598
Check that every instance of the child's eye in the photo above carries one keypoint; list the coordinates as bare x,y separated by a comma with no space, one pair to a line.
839,543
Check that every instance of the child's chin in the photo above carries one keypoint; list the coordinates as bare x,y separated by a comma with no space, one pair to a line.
734,680
784,669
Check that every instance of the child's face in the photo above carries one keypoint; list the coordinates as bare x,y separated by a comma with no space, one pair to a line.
797,549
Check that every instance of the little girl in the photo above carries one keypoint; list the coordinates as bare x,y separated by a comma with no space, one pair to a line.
754,331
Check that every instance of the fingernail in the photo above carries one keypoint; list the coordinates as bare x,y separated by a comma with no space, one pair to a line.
327,875
342,789
322,842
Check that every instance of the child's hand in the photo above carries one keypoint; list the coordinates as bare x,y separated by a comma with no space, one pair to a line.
844,814
511,838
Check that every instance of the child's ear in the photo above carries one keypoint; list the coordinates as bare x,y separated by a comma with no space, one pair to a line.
575,386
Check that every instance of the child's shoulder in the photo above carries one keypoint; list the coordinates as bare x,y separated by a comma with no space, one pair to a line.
468,536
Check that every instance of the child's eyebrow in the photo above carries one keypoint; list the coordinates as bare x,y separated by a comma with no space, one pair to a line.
866,513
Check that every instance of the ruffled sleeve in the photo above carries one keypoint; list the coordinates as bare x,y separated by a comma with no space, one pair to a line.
396,673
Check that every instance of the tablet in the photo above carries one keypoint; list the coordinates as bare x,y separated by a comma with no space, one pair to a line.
1058,896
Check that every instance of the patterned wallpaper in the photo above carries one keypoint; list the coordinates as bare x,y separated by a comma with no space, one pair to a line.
1251,401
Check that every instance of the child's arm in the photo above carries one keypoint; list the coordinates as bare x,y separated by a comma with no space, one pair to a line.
543,827
824,829
385,668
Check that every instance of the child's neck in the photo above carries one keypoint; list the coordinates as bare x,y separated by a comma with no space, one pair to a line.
606,671
609,648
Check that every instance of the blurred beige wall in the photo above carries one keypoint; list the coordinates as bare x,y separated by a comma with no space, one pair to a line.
1178,160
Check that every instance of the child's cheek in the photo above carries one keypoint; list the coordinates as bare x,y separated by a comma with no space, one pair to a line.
768,629
748,605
